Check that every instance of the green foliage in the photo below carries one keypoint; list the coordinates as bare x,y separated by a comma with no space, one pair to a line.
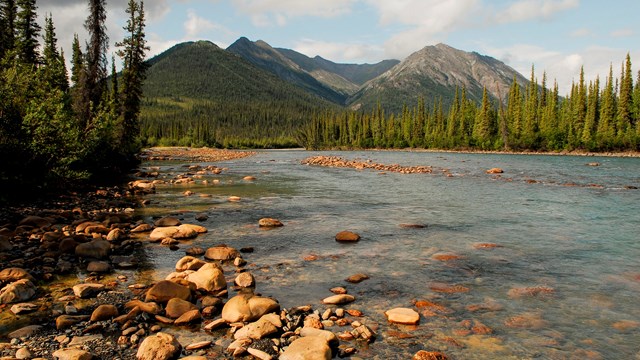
534,119
45,143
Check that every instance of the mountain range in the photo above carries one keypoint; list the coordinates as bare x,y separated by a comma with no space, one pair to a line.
255,71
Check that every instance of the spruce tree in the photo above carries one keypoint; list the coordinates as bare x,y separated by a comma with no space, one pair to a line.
28,32
625,101
8,12
96,57
77,61
133,51
605,128
54,69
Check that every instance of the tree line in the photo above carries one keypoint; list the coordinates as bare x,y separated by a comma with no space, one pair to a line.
532,118
53,131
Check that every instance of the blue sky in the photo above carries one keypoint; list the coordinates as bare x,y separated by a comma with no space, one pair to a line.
556,36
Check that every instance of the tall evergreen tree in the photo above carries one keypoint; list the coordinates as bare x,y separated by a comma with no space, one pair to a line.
625,101
77,61
54,70
8,13
28,31
483,128
95,57
606,126
133,52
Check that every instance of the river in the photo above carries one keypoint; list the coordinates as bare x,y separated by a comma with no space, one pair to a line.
559,279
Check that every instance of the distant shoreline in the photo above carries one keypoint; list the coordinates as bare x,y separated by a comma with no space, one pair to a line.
183,150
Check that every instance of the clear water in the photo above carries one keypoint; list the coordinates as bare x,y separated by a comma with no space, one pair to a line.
582,241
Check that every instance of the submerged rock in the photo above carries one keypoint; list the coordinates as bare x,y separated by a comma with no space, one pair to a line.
269,223
403,316
223,253
347,236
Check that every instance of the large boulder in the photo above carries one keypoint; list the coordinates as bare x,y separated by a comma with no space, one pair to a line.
95,249
17,291
177,307
210,277
247,307
104,312
308,348
221,252
35,221
166,290
189,263
174,232
257,330
197,228
72,354
161,346
13,274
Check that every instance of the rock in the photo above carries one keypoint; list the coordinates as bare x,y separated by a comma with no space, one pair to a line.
259,354
327,335
403,316
239,262
245,279
189,263
22,308
339,299
84,291
17,291
167,221
23,353
72,354
147,307
347,236
495,171
221,253
307,348
188,317
197,228
160,346
67,245
249,178
104,312
13,274
429,355
66,321
5,244
116,235
338,290
197,346
95,249
202,217
357,278
412,226
234,198
256,330
173,232
210,277
269,222
176,307
141,228
35,221
24,332
99,266
247,307
166,290
195,251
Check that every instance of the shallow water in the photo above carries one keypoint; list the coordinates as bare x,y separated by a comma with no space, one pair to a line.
562,226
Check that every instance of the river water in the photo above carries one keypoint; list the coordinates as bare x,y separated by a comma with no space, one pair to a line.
562,283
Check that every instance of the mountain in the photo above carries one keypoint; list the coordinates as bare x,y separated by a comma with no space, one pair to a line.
201,94
202,70
329,80
349,77
434,72
269,59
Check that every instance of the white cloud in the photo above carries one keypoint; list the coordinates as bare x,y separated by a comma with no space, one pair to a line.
428,21
559,66
583,32
340,52
196,25
534,9
278,12
622,33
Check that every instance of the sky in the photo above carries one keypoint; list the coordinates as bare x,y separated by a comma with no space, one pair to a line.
554,36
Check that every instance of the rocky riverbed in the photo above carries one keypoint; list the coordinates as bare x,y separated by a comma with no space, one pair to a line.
65,292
